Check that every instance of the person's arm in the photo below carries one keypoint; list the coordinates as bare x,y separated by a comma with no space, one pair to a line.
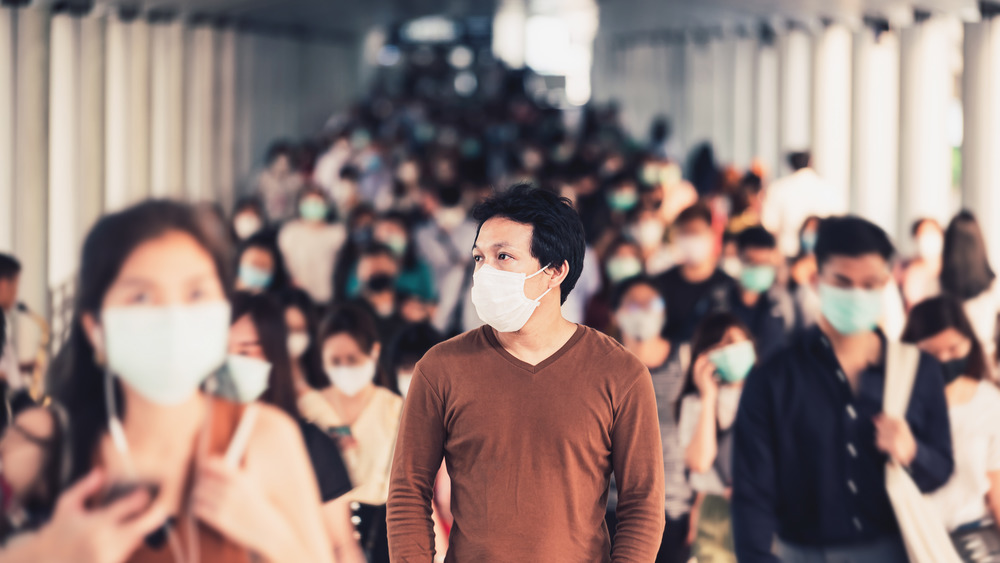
700,453
443,519
636,454
418,455
933,463
755,489
337,521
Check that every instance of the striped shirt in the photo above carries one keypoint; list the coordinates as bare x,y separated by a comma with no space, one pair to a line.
668,380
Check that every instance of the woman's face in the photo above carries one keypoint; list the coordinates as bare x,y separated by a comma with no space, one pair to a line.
640,297
244,340
733,335
947,345
341,350
296,320
172,269
259,258
22,457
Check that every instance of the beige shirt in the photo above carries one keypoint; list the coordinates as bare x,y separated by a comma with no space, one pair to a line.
310,255
375,429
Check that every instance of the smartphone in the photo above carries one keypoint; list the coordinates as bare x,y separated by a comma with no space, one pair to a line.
339,431
122,489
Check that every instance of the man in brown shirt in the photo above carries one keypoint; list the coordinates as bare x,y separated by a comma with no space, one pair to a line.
531,412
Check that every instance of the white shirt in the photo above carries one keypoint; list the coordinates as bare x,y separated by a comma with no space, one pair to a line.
310,255
975,438
982,312
789,201
575,307
708,482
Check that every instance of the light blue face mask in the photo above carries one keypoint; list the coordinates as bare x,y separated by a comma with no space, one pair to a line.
734,362
313,210
757,278
621,268
850,311
253,277
623,200
808,241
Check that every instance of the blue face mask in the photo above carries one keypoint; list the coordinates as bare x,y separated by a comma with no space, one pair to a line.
734,362
623,200
808,241
850,311
757,279
313,210
253,277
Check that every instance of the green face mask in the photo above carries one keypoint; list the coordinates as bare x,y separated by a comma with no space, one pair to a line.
313,210
757,278
623,200
850,311
623,267
734,362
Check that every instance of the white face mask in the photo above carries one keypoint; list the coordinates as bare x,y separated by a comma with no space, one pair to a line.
450,217
352,379
297,344
733,266
649,233
642,324
694,249
250,376
500,300
246,225
930,246
403,381
165,353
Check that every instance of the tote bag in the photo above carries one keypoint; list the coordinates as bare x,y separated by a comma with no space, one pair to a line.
924,533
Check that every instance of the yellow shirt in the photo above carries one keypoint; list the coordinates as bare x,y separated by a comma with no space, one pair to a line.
375,429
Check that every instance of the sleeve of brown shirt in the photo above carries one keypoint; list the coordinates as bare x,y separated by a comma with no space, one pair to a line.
418,455
638,466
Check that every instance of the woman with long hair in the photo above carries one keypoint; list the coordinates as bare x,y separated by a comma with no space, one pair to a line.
971,499
150,325
966,274
724,353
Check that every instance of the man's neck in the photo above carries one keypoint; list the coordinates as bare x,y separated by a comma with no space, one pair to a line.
697,273
750,298
853,351
543,335
652,353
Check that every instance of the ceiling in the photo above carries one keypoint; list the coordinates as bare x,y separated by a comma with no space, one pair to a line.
355,16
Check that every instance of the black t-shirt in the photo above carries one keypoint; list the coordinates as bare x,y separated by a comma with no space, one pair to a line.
688,303
331,473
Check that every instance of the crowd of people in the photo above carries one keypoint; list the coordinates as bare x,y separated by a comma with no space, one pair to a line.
615,356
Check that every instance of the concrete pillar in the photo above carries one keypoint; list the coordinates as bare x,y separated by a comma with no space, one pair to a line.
981,139
795,95
875,128
723,53
7,134
698,92
743,101
31,84
167,46
200,119
831,113
225,174
924,153
139,64
767,109
63,148
678,101
116,128
90,183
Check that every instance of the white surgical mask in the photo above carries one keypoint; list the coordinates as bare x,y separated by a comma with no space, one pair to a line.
694,249
403,381
249,375
500,300
450,217
649,233
642,324
732,265
352,379
246,225
165,353
930,246
297,344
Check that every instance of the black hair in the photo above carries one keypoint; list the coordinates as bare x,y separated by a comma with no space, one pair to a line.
311,362
937,314
965,270
851,236
279,275
355,321
710,332
278,148
626,285
557,233
10,267
799,160
407,348
915,226
268,318
350,173
696,212
76,379
755,237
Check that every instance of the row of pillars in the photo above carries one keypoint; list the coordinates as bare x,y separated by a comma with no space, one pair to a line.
873,105
100,110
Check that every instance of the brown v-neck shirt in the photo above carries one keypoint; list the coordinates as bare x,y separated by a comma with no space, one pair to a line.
530,450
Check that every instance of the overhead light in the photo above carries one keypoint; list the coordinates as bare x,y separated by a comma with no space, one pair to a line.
460,57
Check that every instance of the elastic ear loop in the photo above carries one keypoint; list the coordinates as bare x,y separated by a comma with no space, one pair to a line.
115,428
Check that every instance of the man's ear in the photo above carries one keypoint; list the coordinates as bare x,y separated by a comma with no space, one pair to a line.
559,274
